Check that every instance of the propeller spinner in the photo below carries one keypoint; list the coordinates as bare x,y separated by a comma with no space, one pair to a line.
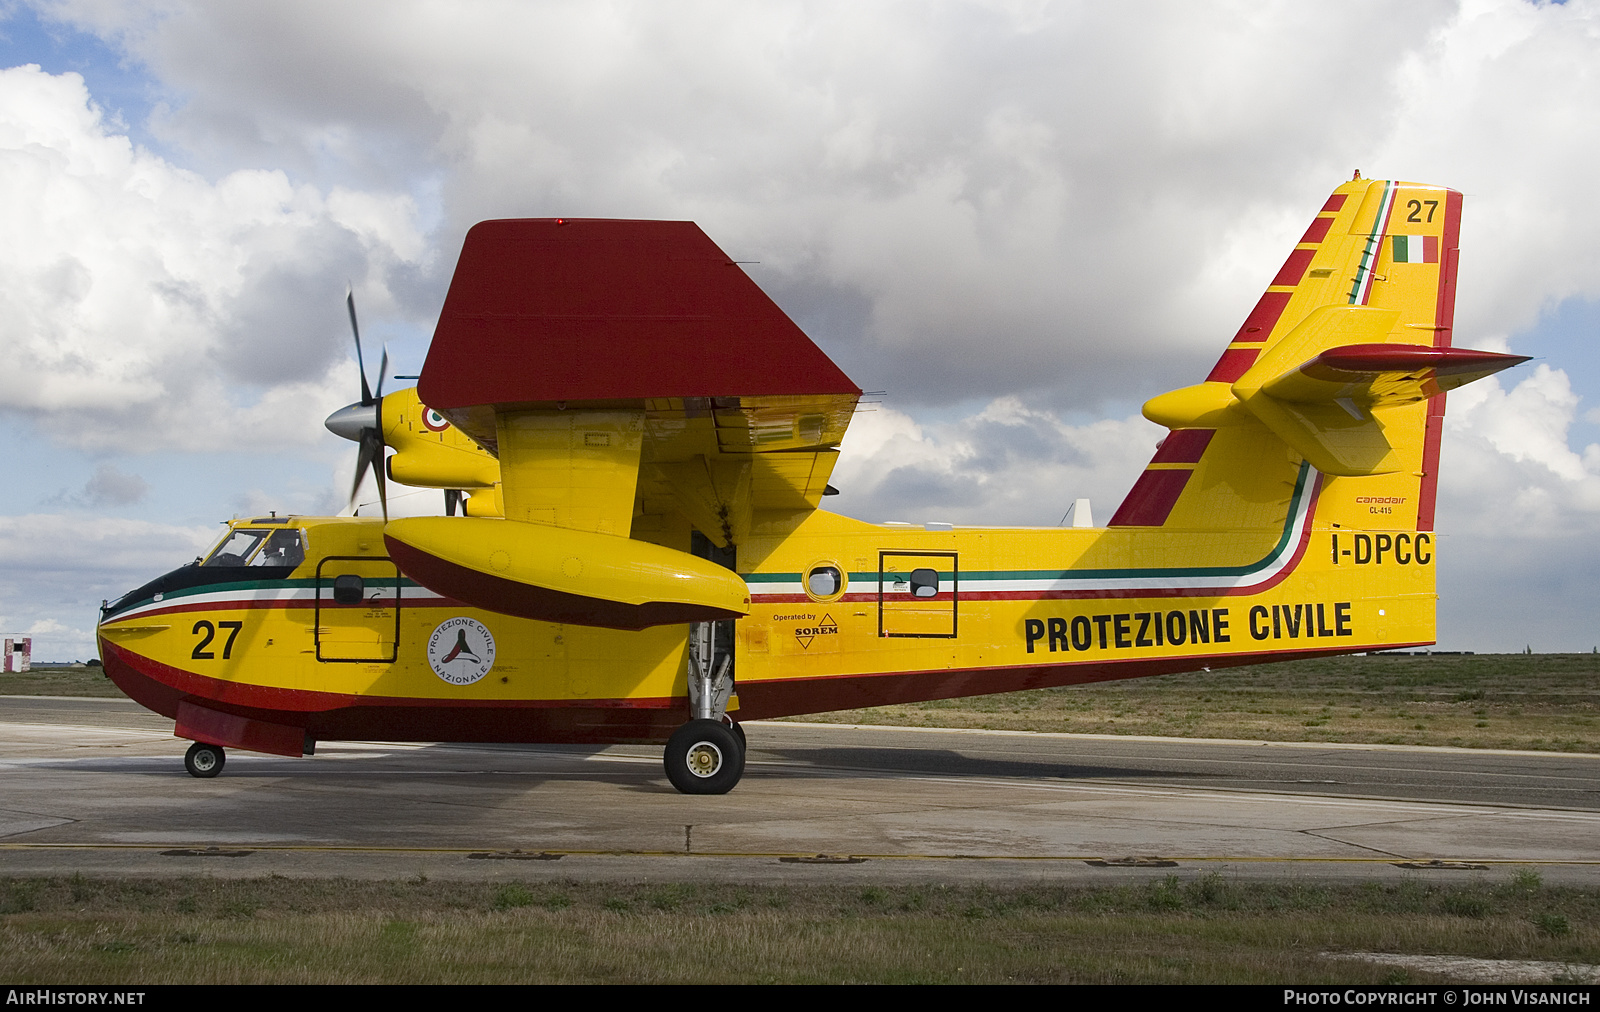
362,422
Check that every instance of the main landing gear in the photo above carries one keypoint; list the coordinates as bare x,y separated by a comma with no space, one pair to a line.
204,761
706,755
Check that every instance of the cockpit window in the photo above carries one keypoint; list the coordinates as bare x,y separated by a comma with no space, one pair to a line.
237,548
246,547
284,548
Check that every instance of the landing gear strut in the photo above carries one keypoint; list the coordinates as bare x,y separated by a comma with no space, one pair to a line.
204,761
706,755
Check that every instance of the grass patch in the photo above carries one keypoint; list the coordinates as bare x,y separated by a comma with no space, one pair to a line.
1205,929
1518,701
60,680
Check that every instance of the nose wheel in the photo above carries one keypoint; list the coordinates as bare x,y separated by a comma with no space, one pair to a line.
705,757
204,761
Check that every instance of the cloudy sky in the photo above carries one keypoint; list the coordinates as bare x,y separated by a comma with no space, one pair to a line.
1020,219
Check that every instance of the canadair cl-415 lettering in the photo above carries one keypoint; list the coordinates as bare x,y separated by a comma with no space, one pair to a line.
640,442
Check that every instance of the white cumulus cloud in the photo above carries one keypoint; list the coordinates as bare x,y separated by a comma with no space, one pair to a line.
1005,465
1519,519
147,307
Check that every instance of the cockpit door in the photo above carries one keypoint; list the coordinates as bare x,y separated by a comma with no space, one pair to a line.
358,609
918,594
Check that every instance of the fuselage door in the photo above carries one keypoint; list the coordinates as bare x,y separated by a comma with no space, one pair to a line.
917,594
358,609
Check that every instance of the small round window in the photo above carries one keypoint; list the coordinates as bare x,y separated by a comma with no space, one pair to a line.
824,582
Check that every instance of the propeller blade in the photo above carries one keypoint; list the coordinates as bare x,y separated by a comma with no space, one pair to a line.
371,456
366,391
371,437
378,470
452,501
364,458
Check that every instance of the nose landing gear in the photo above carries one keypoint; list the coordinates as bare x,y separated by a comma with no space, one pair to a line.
204,761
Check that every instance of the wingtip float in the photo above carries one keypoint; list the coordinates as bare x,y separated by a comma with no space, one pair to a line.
641,440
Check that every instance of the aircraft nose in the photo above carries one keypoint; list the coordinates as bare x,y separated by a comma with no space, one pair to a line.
349,420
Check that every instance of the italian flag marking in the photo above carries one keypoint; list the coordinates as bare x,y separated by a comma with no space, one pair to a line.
1415,249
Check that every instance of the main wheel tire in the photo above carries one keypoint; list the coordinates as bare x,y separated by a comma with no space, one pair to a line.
204,761
738,732
704,757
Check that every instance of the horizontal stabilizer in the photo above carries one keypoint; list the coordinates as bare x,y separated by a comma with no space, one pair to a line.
1331,407
1334,440
1381,375
555,574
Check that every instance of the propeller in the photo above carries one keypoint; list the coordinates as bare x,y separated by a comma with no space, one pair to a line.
362,422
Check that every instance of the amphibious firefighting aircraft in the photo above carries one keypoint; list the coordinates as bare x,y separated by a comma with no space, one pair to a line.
645,439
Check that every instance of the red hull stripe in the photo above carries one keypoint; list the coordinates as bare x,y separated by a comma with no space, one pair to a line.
382,720
304,704
1152,499
338,717
1183,446
1235,362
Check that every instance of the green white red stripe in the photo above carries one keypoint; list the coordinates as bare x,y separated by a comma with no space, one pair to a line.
1361,289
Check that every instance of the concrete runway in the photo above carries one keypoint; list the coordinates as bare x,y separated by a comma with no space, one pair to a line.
98,786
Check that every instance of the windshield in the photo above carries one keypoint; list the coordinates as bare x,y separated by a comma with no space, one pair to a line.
247,547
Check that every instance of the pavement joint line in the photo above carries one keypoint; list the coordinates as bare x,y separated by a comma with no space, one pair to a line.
1257,796
81,699
1325,836
1102,757
1067,735
1243,742
1262,797
763,855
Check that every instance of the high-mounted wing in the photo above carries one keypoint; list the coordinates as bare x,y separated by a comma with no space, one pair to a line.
635,386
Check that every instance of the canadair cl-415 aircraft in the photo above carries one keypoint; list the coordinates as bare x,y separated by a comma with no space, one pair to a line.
642,441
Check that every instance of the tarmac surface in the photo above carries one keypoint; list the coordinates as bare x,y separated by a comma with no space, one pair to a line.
97,786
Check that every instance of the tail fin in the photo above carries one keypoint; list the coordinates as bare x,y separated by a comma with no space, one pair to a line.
1343,364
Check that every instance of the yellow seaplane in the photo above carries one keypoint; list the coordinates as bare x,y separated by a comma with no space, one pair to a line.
640,442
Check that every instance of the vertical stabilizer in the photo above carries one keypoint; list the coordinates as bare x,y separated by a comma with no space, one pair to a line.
1341,367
